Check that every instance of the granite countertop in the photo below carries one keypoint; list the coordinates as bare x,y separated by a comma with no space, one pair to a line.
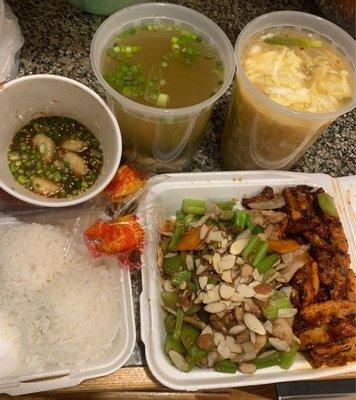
57,41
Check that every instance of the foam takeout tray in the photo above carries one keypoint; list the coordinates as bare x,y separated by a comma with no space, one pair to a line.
168,193
20,379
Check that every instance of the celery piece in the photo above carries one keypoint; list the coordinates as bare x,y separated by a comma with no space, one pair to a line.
278,301
260,253
170,299
180,277
189,336
195,354
269,361
266,264
177,234
170,323
193,309
173,344
226,205
288,357
326,203
192,206
242,219
172,265
294,41
179,323
251,246
226,366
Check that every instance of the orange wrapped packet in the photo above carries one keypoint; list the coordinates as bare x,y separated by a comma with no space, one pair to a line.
122,238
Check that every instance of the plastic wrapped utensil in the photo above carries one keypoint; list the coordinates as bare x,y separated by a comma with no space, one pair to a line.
11,41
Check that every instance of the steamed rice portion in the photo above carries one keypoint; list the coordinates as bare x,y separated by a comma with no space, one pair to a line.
56,307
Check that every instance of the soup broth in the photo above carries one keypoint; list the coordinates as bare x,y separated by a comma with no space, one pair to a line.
55,157
163,66
297,71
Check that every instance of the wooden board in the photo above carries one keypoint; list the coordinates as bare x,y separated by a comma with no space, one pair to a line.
137,383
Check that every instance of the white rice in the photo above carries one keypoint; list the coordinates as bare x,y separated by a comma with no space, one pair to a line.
55,308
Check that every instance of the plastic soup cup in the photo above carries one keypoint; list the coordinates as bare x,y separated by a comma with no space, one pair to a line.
159,139
261,134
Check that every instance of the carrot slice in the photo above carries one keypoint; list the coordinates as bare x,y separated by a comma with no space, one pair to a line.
283,246
190,240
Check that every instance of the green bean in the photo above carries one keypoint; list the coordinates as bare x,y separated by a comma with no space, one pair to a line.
179,323
326,203
265,265
179,277
173,344
260,253
269,361
189,336
172,265
226,366
193,206
169,323
195,354
177,234
170,299
288,357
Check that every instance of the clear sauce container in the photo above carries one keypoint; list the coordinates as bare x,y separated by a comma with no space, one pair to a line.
161,139
262,134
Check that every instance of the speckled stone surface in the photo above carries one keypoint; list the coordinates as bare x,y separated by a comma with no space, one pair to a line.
57,41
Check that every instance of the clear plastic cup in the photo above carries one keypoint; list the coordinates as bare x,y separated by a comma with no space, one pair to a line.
160,140
261,134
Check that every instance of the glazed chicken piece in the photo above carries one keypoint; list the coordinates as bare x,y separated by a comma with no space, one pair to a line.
266,194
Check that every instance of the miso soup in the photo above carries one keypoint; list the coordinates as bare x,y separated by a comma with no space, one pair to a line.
163,66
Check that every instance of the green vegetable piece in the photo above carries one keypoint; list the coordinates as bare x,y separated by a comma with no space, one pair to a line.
193,309
326,203
180,277
177,234
260,253
189,336
266,264
192,206
257,229
294,41
242,219
251,246
193,286
170,299
269,361
22,179
172,344
226,366
170,323
179,323
288,357
226,205
278,301
172,265
195,354
212,280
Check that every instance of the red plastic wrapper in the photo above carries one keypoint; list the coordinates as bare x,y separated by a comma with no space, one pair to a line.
122,238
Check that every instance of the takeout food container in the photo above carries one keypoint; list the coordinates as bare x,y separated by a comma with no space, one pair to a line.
168,193
158,139
262,134
34,96
21,379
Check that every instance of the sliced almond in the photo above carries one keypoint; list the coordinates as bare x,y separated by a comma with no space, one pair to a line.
218,337
233,346
199,298
203,232
167,285
178,360
169,255
224,350
247,368
236,297
212,358
246,270
212,295
256,275
227,262
200,269
237,246
216,262
203,280
240,261
268,326
224,244
200,222
235,330
238,313
215,307
214,236
226,291
279,344
226,276
226,302
190,262
207,329
254,324
252,337
209,286
183,285
245,291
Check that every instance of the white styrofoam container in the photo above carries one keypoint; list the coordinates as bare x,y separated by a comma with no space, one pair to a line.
20,379
169,193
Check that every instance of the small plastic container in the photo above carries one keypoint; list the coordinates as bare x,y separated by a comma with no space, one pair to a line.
157,139
261,134
168,194
103,7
